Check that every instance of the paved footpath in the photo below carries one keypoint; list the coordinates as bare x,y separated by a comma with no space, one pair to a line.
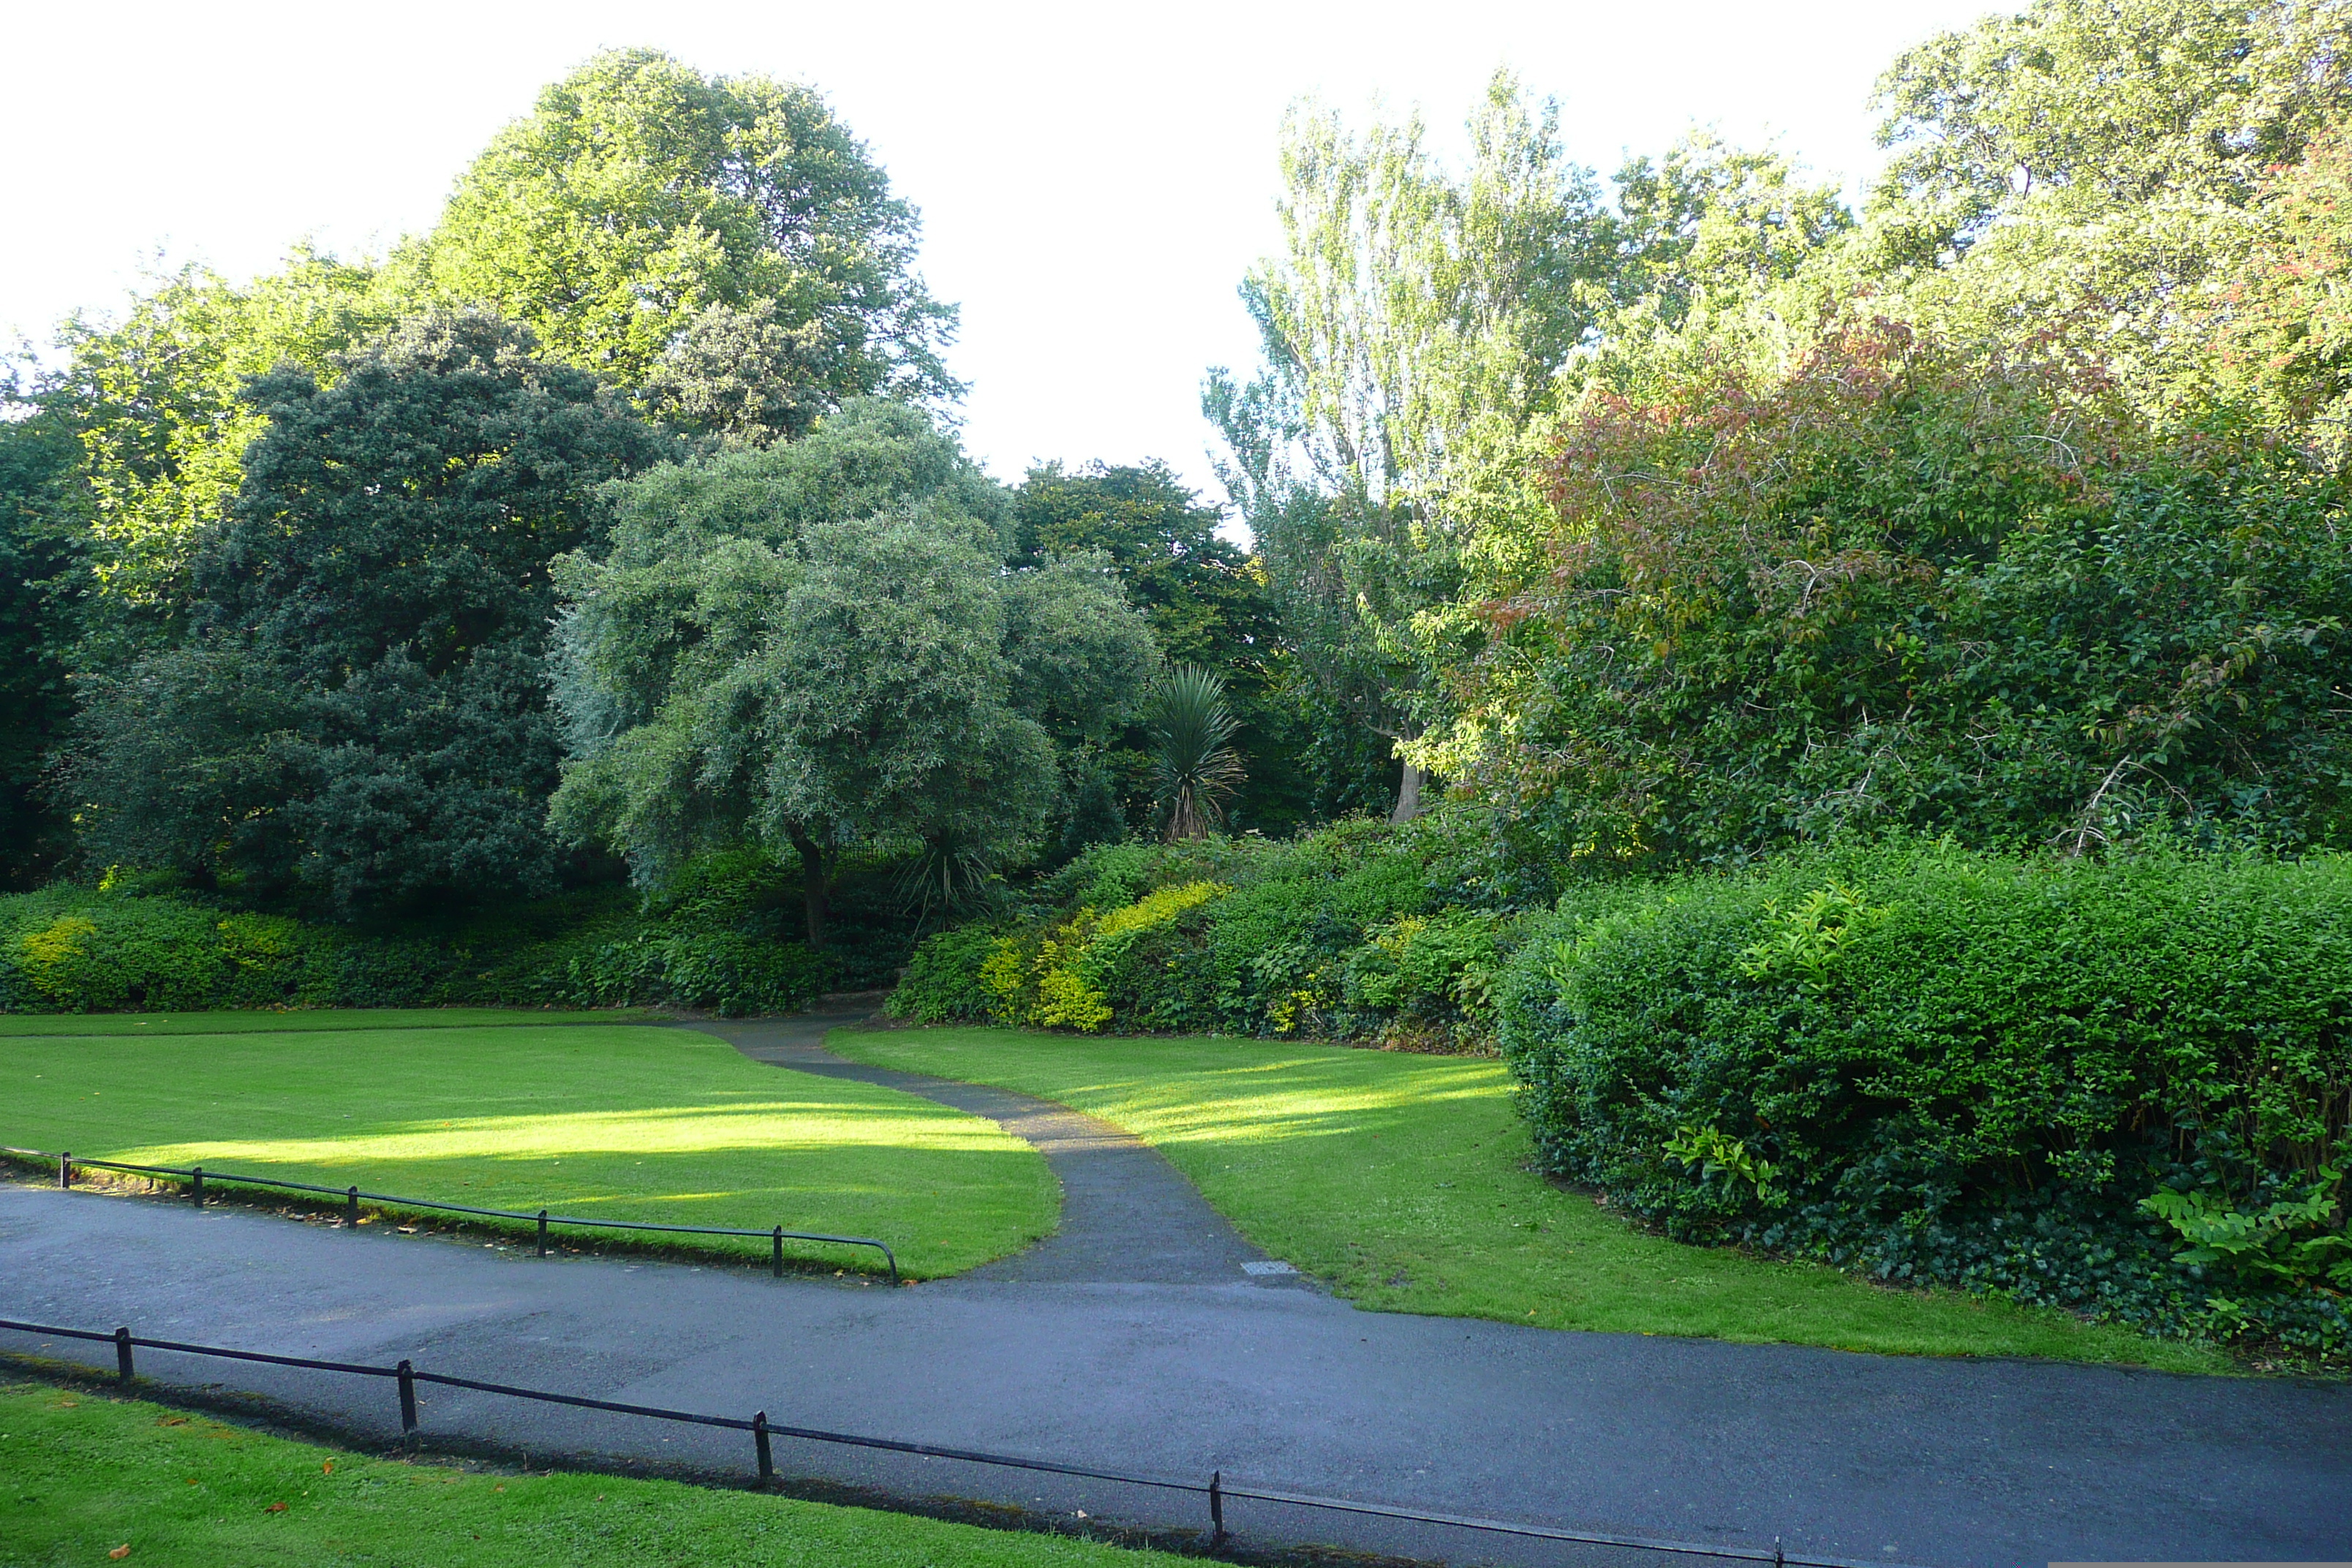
1175,1359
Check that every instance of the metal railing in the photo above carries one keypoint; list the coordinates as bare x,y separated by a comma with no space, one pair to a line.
1216,1490
196,1176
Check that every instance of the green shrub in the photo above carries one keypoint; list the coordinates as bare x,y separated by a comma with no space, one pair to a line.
717,941
943,980
1974,1070
1343,934
76,951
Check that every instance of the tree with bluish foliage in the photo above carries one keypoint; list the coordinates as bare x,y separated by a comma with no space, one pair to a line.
722,246
358,716
815,647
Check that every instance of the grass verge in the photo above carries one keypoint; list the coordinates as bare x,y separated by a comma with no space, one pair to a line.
303,1021
83,1476
1404,1181
601,1121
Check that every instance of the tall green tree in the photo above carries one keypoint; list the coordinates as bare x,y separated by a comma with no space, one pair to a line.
158,401
1210,604
815,647
358,715
1907,583
2107,104
721,246
2282,325
44,545
2091,170
1410,327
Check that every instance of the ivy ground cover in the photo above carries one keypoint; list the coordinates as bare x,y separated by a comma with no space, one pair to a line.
1405,1182
87,1476
605,1122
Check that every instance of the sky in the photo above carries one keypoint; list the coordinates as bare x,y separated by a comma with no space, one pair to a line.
1093,179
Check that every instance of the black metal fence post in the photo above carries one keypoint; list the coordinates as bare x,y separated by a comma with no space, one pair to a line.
65,1170
759,1440
196,1186
1216,1508
779,1252
407,1376
542,1233
122,1355
352,1209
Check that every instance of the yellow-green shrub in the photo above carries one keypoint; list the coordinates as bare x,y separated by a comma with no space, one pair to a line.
1054,977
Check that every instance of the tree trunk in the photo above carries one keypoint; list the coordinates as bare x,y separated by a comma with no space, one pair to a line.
1408,805
816,887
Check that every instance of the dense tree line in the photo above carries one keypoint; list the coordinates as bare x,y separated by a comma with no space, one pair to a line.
1670,516
1689,516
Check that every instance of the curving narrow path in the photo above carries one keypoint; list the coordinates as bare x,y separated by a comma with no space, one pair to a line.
1136,1339
1127,1216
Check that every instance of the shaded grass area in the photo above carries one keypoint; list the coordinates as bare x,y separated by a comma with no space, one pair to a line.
82,1476
1404,1181
302,1021
600,1122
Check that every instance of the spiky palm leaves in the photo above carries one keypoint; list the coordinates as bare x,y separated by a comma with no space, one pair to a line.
951,876
1198,771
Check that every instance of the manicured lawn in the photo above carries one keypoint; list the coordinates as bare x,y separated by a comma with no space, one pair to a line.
1402,1180
82,1476
319,1021
600,1120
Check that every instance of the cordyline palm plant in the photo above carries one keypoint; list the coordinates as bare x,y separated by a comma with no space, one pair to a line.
1198,771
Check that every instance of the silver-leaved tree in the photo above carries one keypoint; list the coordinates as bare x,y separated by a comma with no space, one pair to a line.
818,648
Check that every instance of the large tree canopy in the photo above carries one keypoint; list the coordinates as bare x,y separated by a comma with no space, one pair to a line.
358,713
43,541
722,246
809,647
1906,585
1415,328
159,401
2112,103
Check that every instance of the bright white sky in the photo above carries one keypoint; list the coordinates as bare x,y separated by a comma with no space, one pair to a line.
1094,178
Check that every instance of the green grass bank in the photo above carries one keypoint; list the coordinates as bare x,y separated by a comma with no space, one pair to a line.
1405,1181
83,1476
599,1120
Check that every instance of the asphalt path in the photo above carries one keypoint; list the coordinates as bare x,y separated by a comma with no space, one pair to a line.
1170,1356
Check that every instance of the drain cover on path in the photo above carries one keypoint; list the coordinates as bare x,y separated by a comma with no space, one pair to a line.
1267,1266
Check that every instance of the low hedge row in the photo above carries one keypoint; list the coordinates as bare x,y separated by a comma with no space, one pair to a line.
717,942
2120,1087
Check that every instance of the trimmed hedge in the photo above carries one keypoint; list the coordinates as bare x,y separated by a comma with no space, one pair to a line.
717,942
2120,1087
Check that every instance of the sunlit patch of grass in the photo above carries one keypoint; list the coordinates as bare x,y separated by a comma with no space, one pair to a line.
609,1123
1406,1181
87,1476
